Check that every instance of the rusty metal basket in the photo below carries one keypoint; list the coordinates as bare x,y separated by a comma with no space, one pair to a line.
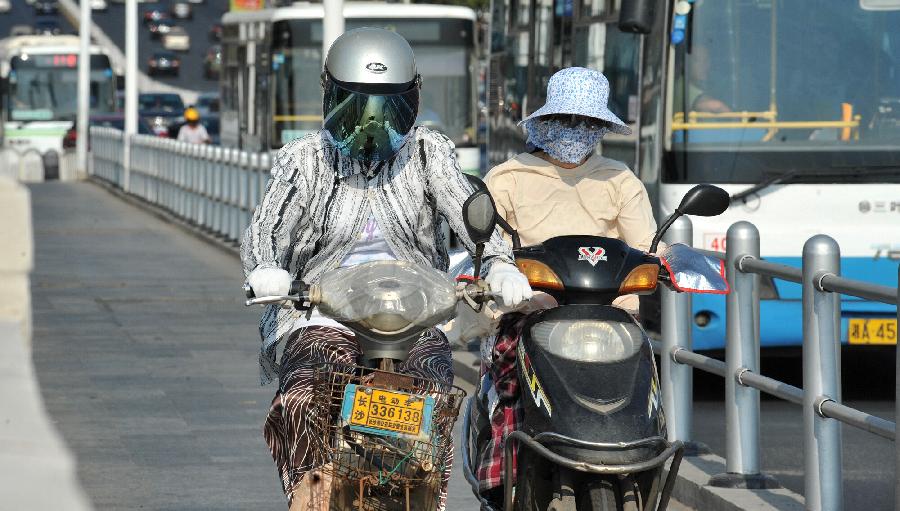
384,468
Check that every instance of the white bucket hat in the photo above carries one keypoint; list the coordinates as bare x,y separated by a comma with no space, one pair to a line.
580,91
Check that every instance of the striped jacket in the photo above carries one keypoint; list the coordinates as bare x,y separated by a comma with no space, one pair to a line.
317,204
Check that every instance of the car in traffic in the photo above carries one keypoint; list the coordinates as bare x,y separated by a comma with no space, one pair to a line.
47,25
163,62
160,110
208,103
160,28
196,1
177,40
5,6
215,32
181,11
113,120
212,62
99,5
155,14
45,8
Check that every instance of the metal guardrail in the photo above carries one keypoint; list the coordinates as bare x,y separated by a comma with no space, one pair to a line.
212,187
821,393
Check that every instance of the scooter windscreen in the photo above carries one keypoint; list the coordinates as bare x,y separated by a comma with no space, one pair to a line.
387,299
693,272
370,127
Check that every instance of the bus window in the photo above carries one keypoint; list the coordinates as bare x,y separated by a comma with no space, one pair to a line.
445,55
45,87
748,100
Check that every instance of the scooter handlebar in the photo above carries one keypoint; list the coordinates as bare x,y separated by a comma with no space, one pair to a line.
297,293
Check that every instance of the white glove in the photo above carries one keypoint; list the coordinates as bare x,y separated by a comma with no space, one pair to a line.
507,281
270,282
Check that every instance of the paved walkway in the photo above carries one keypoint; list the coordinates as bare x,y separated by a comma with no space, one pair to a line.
147,359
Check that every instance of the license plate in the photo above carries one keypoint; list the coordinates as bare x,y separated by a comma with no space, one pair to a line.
386,412
872,331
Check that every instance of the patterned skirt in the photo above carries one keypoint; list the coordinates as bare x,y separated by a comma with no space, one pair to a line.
286,429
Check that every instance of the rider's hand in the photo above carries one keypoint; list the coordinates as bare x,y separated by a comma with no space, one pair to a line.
270,282
507,281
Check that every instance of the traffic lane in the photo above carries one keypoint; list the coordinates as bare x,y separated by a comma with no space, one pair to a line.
23,14
868,472
147,359
190,75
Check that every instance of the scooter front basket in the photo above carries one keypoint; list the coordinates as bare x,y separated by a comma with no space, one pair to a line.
384,433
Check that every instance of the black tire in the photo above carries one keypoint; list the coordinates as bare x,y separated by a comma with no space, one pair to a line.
600,494
533,482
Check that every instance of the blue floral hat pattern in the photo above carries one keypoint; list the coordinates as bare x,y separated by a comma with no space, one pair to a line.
580,91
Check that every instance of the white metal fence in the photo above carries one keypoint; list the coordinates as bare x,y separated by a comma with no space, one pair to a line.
212,187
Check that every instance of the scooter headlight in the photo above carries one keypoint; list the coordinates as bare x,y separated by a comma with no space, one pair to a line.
588,341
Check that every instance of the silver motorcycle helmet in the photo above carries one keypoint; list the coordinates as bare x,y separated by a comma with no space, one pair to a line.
371,93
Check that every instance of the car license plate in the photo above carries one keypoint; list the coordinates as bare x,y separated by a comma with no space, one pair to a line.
872,331
386,412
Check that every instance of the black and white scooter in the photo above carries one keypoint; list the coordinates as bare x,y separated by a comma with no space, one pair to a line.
594,432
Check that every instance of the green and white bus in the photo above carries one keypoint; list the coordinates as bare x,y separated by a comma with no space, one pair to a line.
272,63
39,93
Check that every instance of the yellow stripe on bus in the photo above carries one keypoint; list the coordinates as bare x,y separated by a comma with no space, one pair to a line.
283,118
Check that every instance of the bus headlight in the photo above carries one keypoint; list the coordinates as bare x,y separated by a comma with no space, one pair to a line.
588,341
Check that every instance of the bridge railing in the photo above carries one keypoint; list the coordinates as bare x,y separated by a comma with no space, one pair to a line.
820,397
211,187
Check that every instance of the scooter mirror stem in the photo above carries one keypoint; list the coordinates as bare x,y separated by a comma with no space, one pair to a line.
662,230
479,252
516,242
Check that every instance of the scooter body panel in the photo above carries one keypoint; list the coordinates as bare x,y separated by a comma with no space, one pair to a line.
595,402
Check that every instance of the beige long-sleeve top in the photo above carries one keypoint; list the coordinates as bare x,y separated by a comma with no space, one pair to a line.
601,197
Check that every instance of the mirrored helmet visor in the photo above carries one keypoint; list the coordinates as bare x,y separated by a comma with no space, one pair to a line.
370,127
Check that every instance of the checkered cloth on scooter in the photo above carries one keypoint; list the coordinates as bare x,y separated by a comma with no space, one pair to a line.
507,416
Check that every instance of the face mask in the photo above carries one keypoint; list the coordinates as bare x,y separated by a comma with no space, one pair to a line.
562,141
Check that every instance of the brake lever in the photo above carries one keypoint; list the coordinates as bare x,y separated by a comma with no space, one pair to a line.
265,300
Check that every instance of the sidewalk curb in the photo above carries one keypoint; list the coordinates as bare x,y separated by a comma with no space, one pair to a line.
692,490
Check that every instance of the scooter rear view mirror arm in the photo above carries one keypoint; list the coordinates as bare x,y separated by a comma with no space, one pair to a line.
516,242
662,230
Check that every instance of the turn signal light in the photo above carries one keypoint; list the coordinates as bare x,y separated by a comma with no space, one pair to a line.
641,280
539,274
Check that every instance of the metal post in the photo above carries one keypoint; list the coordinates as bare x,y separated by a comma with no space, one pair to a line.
332,24
677,379
84,88
741,353
131,85
897,406
821,375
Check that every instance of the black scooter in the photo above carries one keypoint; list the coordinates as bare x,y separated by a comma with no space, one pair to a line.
594,431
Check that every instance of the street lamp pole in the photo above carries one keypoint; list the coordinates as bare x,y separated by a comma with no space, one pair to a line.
84,85
131,85
332,23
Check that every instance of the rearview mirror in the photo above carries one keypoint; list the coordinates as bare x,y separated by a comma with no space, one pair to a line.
636,16
701,200
479,215
704,200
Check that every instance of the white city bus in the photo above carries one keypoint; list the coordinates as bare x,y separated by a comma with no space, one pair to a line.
39,88
792,106
272,64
